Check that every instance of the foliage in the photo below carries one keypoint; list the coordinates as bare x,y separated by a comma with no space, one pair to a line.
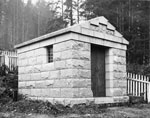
38,106
72,11
8,82
21,21
139,69
56,24
131,18
69,11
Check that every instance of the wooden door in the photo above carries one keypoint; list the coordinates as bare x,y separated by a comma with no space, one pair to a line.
98,71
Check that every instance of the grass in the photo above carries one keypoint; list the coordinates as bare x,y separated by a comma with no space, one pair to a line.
25,108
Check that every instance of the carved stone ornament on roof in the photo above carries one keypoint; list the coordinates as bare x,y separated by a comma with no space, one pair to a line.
101,28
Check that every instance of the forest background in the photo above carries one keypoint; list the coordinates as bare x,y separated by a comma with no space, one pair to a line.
22,20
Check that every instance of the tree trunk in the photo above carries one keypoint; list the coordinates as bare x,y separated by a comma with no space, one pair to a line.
71,14
78,19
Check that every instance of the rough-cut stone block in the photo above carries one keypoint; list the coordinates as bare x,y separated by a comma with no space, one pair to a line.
44,83
87,31
85,92
109,75
48,67
66,45
45,75
36,69
19,62
117,52
65,55
103,100
69,73
22,85
36,92
109,59
25,62
30,84
21,70
55,92
22,56
80,64
119,68
72,101
119,75
119,60
77,45
41,52
75,73
40,84
30,54
49,83
69,92
110,51
45,92
122,68
41,59
116,83
115,60
25,92
57,56
32,61
116,91
109,92
84,73
62,83
54,74
36,76
119,92
109,67
24,77
60,64
83,55
81,83
28,69
121,99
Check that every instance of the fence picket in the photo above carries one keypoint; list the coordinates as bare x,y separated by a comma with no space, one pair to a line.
138,85
12,58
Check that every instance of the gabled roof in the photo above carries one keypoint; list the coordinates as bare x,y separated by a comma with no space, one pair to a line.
94,28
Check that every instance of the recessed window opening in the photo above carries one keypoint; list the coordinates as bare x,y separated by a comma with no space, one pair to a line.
50,53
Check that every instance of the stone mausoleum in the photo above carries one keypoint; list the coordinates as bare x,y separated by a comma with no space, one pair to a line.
83,63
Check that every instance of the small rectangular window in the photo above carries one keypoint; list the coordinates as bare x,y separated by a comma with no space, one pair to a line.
50,53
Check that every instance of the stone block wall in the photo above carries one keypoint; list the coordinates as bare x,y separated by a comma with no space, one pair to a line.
115,72
68,76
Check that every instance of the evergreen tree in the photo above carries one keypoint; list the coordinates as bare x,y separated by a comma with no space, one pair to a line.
131,18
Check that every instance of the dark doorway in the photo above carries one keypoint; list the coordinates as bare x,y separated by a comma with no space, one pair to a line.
98,71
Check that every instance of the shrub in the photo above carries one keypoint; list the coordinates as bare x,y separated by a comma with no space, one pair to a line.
8,83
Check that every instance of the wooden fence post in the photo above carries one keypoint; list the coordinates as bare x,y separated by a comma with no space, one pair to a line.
148,93
6,58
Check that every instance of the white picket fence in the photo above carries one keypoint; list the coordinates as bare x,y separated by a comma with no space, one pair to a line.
8,58
138,85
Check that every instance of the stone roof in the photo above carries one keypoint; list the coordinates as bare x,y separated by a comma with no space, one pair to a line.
98,27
